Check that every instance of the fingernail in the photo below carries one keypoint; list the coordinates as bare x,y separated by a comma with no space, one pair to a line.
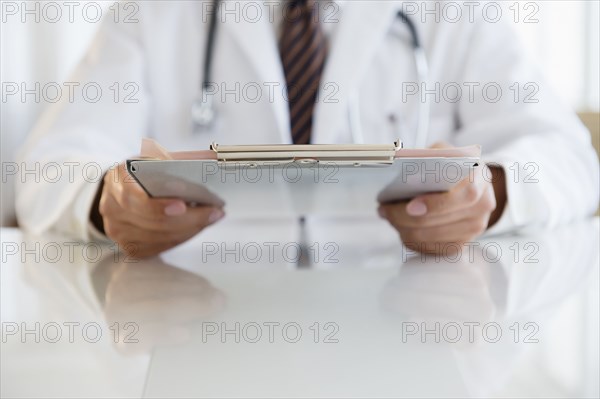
215,216
416,208
175,209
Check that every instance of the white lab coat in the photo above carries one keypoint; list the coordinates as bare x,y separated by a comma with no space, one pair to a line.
369,58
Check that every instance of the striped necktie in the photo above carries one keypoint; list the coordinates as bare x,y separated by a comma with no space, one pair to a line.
303,51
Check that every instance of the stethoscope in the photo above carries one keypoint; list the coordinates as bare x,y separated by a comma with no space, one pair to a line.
204,114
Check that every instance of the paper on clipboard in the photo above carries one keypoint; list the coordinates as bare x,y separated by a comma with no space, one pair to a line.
260,180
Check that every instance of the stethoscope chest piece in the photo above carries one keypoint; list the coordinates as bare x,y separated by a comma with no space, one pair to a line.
203,113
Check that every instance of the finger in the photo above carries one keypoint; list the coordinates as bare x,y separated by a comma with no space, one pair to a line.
453,233
193,219
463,195
111,210
124,204
440,144
397,215
134,199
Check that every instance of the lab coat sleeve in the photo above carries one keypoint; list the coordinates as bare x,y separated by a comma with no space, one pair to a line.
84,134
550,165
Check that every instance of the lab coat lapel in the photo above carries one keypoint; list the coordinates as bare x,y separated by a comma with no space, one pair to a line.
361,30
258,42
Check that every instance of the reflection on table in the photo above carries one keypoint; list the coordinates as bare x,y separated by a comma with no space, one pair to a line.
187,325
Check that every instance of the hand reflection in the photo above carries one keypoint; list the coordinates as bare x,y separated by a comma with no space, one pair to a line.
433,289
527,284
154,303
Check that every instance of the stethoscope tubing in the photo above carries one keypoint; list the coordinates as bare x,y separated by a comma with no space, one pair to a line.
203,113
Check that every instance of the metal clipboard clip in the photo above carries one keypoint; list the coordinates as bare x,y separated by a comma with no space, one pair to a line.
344,154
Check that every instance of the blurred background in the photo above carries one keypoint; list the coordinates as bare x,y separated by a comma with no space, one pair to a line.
562,37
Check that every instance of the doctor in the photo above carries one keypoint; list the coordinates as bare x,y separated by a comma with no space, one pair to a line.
296,71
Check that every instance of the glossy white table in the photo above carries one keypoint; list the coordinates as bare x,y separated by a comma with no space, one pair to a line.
210,319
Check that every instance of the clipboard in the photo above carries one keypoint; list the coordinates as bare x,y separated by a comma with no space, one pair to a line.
316,179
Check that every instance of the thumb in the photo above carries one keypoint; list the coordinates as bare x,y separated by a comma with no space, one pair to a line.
440,144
